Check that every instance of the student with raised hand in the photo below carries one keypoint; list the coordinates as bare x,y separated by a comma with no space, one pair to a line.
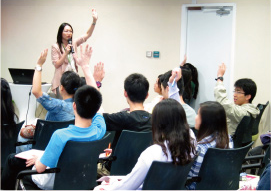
157,89
62,57
173,87
173,141
89,126
244,92
212,133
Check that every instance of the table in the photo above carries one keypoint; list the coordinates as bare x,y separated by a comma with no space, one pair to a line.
20,95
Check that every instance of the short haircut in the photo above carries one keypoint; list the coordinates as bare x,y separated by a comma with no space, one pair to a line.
165,79
70,81
137,87
88,101
248,86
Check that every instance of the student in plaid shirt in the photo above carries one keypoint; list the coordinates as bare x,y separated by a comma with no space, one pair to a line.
213,133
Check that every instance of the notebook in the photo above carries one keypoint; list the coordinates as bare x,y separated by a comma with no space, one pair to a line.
21,76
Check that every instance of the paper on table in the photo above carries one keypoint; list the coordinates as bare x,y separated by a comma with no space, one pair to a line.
103,156
107,178
29,154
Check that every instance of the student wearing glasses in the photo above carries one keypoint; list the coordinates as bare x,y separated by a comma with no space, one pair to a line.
62,56
244,92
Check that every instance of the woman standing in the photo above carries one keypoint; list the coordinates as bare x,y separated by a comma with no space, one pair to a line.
62,56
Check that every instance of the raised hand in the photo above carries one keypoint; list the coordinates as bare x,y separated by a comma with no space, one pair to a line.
176,74
85,56
94,15
42,57
99,72
184,60
221,70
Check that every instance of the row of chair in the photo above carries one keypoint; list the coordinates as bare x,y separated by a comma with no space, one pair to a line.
220,168
248,128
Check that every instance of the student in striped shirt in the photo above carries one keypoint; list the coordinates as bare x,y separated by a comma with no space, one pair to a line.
212,129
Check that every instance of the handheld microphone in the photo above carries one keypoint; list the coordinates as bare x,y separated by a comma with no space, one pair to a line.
70,42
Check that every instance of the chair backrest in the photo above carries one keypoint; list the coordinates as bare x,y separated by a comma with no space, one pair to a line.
9,135
220,169
78,165
265,161
240,132
166,176
255,125
129,147
45,129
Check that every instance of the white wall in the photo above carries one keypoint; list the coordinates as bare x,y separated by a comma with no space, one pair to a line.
125,30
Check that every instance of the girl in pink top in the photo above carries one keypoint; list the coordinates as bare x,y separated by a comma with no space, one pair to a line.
62,57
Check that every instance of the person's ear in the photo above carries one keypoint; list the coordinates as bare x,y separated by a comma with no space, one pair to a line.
247,97
147,95
125,94
61,88
74,106
167,89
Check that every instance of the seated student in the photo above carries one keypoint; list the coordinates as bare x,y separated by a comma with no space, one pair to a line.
244,92
136,88
173,141
157,88
212,133
8,115
89,126
170,90
264,182
57,109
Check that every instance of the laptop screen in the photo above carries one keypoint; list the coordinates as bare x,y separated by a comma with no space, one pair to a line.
21,76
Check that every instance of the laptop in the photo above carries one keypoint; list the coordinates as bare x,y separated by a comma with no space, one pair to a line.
22,76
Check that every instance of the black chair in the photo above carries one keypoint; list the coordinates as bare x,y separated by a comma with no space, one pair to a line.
220,169
242,134
167,176
129,147
263,160
43,132
9,135
255,125
77,165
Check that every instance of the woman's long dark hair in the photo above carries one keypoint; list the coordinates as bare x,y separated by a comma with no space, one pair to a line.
194,78
59,35
187,78
7,109
213,121
169,124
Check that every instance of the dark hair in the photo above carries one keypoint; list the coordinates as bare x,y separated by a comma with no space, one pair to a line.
194,78
70,81
248,86
187,77
88,101
165,78
213,121
59,35
159,82
83,81
7,108
169,124
137,87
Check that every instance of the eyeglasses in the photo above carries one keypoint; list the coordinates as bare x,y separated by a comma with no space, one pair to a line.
238,92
